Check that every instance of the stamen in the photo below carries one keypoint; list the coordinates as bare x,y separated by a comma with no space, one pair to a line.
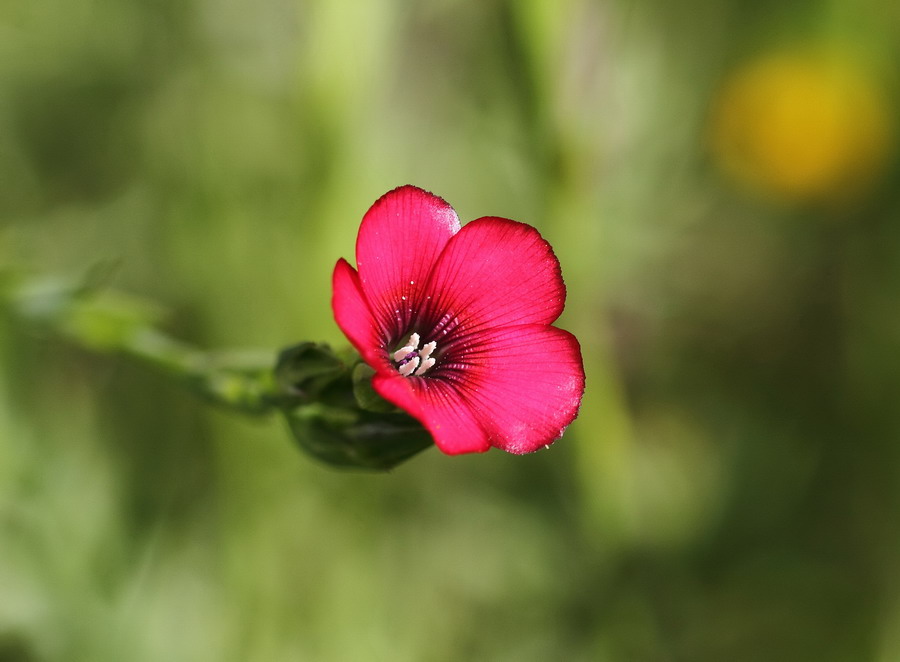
411,360
427,363
427,350
407,368
401,353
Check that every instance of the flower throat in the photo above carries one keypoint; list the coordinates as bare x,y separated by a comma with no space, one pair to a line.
411,360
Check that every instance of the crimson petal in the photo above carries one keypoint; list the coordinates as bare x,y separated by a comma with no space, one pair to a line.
352,314
439,407
486,294
497,272
523,384
399,241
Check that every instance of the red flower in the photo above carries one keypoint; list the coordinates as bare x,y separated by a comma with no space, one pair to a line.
456,324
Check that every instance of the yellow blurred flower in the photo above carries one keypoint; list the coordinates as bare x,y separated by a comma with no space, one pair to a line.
806,127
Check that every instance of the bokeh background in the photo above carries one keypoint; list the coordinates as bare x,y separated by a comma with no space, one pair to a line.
720,181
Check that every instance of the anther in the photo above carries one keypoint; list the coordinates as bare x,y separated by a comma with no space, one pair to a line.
407,368
426,364
401,353
411,360
411,346
427,350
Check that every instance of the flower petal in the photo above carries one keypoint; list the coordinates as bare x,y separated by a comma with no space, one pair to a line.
522,383
439,407
352,314
496,272
399,241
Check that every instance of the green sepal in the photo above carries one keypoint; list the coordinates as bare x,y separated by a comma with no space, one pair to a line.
305,371
336,416
365,395
356,439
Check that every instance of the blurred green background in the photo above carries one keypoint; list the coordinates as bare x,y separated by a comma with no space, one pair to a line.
720,181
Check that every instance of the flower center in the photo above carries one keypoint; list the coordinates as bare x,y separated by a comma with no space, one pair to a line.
411,360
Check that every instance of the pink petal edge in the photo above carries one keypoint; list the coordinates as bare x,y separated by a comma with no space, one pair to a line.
353,315
497,272
522,387
438,407
399,240
524,384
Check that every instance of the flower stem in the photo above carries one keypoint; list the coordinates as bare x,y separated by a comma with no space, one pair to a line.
323,399
109,322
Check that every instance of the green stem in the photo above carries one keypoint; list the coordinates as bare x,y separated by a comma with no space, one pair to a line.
326,397
110,322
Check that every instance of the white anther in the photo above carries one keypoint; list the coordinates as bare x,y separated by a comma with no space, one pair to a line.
401,353
407,368
426,363
412,360
427,350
